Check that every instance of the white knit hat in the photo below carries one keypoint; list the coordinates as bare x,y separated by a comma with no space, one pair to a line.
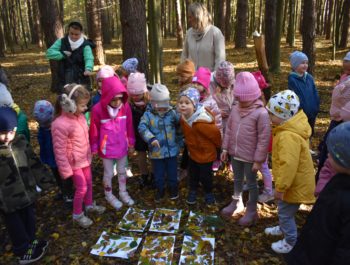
5,97
160,96
284,104
347,57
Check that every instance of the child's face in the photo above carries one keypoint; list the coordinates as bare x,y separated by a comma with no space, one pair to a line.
136,98
116,102
7,137
346,67
82,106
74,34
302,68
275,120
186,107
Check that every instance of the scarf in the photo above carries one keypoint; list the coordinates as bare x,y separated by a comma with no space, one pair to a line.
200,109
198,35
113,112
76,44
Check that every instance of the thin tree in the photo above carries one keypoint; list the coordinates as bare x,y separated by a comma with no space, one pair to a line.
270,28
291,30
133,28
22,24
179,31
328,24
308,32
53,29
30,22
36,23
105,22
228,20
2,42
241,24
276,55
7,27
345,24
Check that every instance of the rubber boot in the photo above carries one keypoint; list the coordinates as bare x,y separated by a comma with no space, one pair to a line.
250,216
235,207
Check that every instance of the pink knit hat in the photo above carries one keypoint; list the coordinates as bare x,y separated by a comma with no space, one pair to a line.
260,79
105,71
246,87
202,77
136,84
345,112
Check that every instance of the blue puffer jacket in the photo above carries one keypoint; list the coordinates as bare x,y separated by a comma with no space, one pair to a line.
304,86
164,129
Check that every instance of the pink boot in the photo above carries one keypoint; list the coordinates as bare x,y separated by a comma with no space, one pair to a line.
235,207
250,216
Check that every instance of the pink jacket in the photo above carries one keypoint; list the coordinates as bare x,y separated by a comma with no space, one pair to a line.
247,133
340,96
211,104
70,137
109,137
326,174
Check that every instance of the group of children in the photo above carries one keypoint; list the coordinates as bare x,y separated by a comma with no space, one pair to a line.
219,116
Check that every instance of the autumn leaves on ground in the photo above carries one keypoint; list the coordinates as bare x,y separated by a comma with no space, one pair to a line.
30,80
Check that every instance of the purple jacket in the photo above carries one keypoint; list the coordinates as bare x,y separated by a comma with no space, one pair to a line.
247,133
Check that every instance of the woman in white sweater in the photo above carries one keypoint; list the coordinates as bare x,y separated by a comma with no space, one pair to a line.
204,43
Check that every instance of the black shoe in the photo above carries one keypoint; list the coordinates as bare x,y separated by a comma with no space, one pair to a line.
34,253
174,193
192,197
159,195
40,244
144,180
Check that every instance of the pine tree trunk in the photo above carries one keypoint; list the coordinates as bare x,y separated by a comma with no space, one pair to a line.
345,24
260,17
220,13
285,16
291,30
338,7
30,22
241,24
53,30
228,21
270,28
184,15
252,26
328,20
308,32
2,42
6,25
155,41
133,28
276,55
105,26
13,21
179,31
61,10
22,24
36,21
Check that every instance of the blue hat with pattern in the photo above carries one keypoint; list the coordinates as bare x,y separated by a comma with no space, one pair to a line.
193,95
130,65
43,112
297,58
338,144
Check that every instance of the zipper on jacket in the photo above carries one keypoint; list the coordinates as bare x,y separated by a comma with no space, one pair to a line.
166,137
239,126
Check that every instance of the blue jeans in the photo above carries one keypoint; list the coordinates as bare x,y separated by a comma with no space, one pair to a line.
286,213
162,166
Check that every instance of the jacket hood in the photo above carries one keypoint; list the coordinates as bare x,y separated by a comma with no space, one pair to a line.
111,87
297,124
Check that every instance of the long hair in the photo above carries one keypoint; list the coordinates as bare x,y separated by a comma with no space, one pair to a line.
146,98
201,16
80,93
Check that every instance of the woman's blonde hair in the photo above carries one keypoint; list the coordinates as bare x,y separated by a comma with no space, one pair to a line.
201,15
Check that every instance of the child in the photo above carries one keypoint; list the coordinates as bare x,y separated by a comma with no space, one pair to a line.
74,53
112,136
104,72
158,128
292,165
20,171
302,83
324,238
346,67
202,139
43,114
128,66
246,140
70,135
201,81
138,99
185,72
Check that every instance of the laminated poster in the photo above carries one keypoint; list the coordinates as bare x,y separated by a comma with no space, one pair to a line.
197,251
166,221
135,220
157,250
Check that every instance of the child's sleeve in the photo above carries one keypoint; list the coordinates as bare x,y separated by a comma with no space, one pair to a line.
54,52
264,133
22,126
326,174
227,133
129,126
88,58
144,130
94,132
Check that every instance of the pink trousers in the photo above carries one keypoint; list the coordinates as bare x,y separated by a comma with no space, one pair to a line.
82,179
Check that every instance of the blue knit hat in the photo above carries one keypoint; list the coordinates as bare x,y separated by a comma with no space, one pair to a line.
193,95
130,65
338,144
296,58
8,119
43,112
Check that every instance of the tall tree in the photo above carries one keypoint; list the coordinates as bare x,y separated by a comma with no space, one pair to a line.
30,21
53,29
345,24
105,23
291,30
61,10
22,24
328,19
2,42
133,28
276,55
270,28
228,20
36,23
241,24
179,31
220,15
6,24
308,32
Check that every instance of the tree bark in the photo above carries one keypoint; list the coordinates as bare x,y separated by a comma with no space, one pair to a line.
291,30
22,24
308,32
133,28
345,24
328,25
179,31
106,28
6,24
220,15
276,55
30,22
61,10
241,24
53,30
36,23
270,28
228,21
2,42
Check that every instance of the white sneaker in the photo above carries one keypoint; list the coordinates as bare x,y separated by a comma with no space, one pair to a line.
117,204
82,220
266,196
273,231
129,174
281,246
124,196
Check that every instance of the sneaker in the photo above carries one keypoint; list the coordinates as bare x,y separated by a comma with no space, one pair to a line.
129,174
82,220
159,195
281,246
209,199
174,193
40,244
313,153
125,197
94,208
34,253
266,196
68,198
216,165
117,204
274,231
192,197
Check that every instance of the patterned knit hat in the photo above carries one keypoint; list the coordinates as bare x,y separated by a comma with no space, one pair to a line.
225,74
8,119
43,112
192,94
336,144
246,88
105,72
284,104
297,58
202,77
5,97
261,80
186,68
347,57
136,84
160,96
130,65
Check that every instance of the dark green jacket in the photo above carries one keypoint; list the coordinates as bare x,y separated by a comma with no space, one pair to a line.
20,172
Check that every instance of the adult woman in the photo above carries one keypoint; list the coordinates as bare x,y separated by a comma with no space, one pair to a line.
204,43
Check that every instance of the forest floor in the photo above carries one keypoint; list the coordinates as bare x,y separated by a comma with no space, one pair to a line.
29,76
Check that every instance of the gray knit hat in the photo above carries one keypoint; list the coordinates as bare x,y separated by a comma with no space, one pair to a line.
160,96
338,144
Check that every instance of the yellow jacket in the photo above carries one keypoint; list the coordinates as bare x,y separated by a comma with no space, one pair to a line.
292,165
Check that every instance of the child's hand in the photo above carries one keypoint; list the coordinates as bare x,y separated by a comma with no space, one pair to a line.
67,53
87,73
155,143
223,156
279,195
256,166
131,150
